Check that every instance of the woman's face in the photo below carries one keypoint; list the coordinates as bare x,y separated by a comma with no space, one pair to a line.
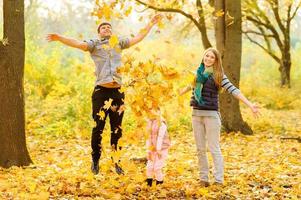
209,59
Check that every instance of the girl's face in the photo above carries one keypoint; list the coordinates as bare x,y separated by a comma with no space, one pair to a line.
209,59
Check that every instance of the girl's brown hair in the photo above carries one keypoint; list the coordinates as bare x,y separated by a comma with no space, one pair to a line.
218,71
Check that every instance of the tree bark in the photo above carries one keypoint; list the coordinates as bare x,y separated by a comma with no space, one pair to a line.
229,43
285,66
12,115
285,69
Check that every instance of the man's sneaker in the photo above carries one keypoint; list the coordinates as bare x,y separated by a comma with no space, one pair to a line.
95,167
118,169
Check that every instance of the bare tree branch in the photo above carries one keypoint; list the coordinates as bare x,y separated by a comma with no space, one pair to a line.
295,11
199,24
265,49
173,10
257,33
275,7
268,26
267,39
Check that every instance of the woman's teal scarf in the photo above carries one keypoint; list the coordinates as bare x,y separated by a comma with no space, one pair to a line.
202,76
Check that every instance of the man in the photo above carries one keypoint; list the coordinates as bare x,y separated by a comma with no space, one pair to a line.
108,83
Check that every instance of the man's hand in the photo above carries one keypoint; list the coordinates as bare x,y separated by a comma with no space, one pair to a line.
143,32
53,37
67,41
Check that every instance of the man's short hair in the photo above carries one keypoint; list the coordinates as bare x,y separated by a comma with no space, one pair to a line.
102,24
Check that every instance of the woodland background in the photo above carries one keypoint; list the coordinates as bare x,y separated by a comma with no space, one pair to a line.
58,82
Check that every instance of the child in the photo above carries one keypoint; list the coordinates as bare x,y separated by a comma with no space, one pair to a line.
210,78
157,144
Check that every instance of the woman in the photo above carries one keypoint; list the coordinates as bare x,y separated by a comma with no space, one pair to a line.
206,122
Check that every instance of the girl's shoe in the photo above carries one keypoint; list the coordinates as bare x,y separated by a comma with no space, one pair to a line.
149,182
159,182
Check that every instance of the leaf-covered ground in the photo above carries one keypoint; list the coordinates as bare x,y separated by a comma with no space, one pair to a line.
256,167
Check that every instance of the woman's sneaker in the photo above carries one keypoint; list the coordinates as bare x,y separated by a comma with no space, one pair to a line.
204,184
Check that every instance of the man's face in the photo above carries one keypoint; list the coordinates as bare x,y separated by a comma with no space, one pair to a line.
105,31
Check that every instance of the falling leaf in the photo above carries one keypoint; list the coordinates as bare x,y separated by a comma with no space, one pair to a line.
101,114
113,41
219,13
108,104
161,25
128,11
4,41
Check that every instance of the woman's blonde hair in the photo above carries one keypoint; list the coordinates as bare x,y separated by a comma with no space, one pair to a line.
218,71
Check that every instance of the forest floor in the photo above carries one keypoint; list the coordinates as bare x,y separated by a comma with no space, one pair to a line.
261,166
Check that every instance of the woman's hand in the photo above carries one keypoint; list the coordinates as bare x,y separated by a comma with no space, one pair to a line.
182,91
255,109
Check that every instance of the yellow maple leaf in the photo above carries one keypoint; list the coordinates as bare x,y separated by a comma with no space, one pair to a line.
160,25
113,41
101,114
219,13
32,186
131,188
121,90
121,109
105,47
203,192
108,104
169,73
128,11
107,12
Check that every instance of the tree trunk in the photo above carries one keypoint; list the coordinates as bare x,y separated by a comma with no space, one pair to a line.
285,66
285,69
12,118
229,43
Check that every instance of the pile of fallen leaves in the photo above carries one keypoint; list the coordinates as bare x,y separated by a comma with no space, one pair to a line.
256,167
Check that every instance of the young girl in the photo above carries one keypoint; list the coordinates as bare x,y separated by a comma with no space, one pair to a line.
157,150
206,123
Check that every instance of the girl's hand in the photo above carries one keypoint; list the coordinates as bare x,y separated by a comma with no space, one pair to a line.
156,19
150,156
159,153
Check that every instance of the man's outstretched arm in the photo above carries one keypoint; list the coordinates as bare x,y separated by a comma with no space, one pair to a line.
67,41
145,31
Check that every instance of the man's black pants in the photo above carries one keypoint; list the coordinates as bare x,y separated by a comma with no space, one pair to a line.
101,98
